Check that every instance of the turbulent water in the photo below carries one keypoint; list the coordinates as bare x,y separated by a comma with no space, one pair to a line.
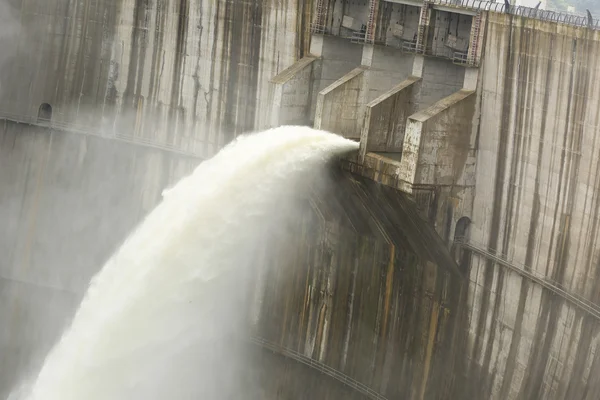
152,323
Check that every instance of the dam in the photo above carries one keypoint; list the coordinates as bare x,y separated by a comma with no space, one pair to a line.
454,256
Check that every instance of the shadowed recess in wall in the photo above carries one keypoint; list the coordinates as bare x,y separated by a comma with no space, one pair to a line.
385,213
361,282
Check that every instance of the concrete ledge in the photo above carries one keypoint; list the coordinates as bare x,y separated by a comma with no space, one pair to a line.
385,118
441,106
437,142
379,168
338,105
289,73
290,95
414,3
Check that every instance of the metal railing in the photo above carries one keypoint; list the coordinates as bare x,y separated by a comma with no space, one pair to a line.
317,28
358,37
528,12
556,287
460,58
345,379
463,59
411,47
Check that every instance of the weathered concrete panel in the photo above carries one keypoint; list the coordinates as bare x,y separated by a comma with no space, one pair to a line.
290,95
340,106
441,78
387,68
338,56
439,152
385,118
437,143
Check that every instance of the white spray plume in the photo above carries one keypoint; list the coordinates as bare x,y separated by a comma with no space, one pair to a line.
151,321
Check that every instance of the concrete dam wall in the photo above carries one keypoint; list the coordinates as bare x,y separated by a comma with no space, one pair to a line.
485,121
536,206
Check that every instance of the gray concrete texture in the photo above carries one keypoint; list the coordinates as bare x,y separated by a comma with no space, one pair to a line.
290,95
385,118
341,105
388,67
441,78
339,56
439,151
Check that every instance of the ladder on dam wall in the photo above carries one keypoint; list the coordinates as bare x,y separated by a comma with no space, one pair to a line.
371,26
526,272
318,26
475,32
325,369
424,20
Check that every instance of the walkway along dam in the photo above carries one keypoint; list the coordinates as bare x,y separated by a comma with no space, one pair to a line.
455,256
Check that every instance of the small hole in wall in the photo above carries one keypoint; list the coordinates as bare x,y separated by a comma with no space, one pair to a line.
45,113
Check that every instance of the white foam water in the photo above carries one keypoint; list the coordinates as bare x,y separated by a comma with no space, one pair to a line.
150,323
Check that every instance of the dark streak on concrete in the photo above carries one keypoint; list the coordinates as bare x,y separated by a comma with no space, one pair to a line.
232,48
197,86
80,67
303,13
546,328
239,81
136,52
255,24
580,93
179,66
496,213
62,61
211,89
516,161
533,226
157,48
226,59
